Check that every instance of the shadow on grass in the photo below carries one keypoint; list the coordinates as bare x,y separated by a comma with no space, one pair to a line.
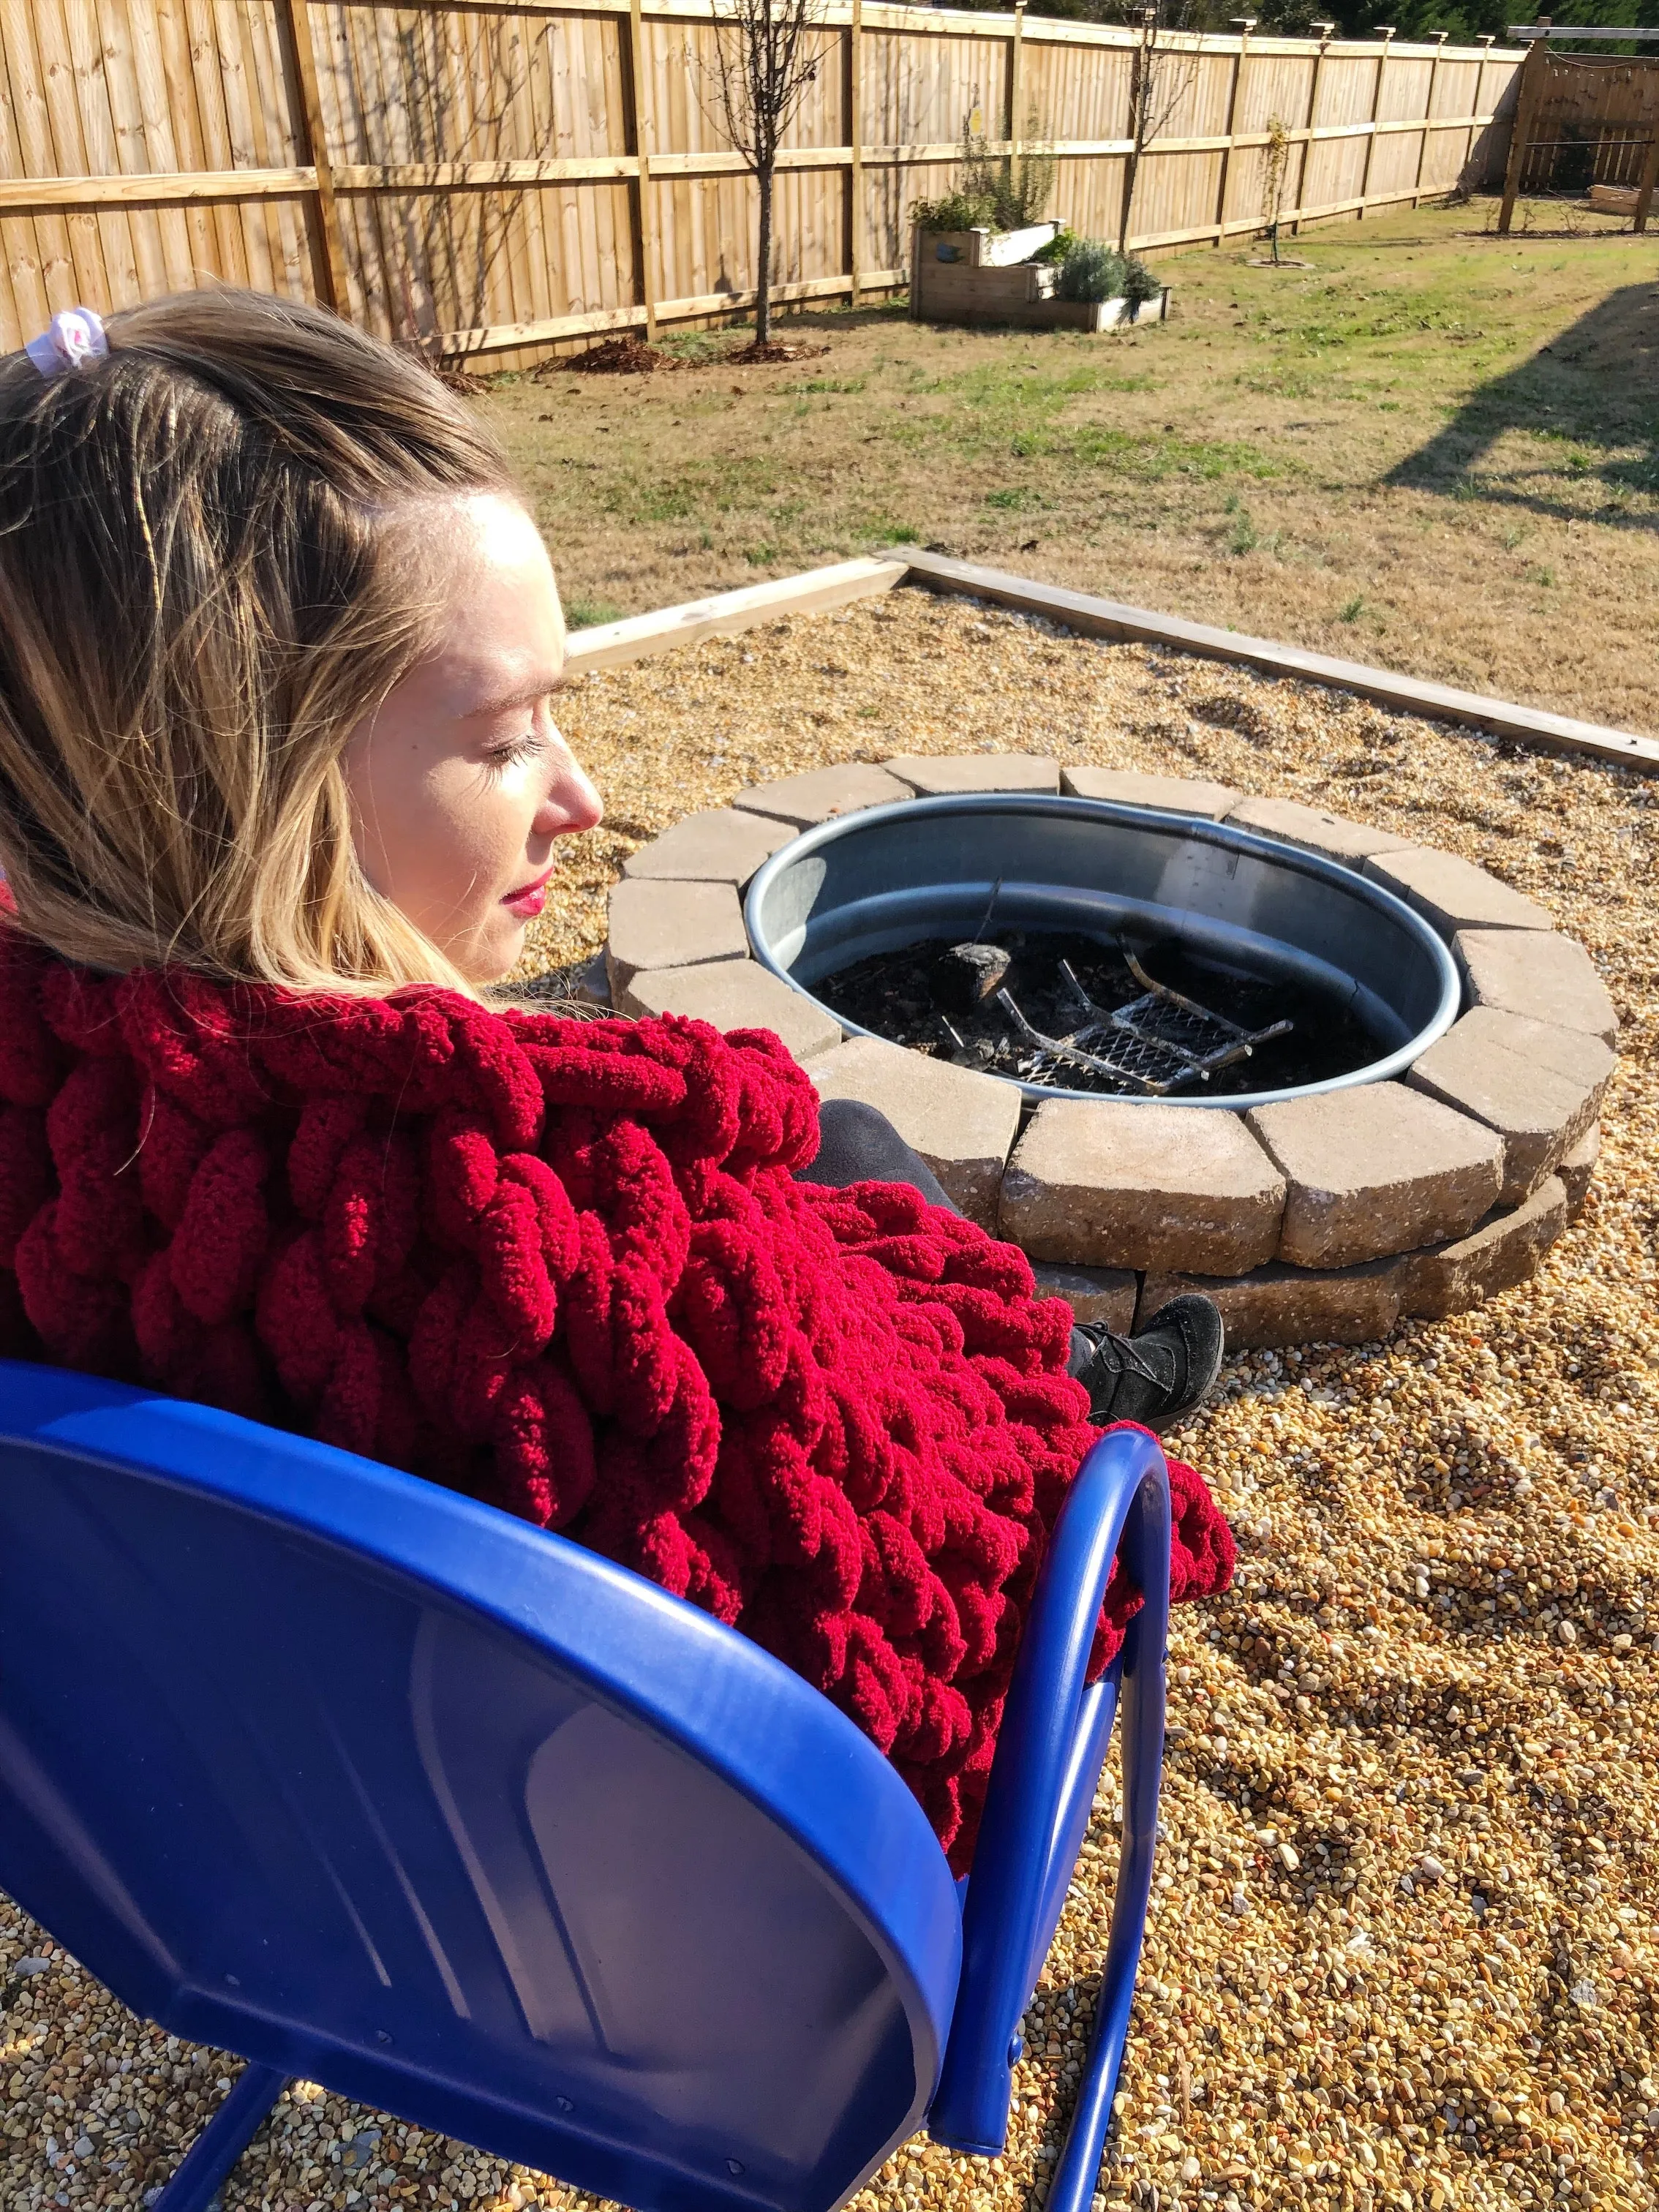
1594,391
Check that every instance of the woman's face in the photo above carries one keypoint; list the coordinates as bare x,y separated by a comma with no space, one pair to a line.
460,782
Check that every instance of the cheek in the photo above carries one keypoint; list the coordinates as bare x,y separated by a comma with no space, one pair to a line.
438,841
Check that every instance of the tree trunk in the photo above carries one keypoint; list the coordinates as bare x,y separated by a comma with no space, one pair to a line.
1138,88
763,178
1130,167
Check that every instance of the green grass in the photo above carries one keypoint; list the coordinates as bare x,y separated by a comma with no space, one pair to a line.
1411,432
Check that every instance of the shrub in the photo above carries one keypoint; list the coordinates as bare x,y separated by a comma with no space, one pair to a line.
1058,246
1092,271
956,212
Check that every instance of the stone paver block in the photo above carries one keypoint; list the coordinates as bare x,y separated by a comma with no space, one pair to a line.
669,924
1099,1294
822,792
961,1123
1576,1167
1110,1185
1551,978
1133,786
1452,893
1503,1250
1377,1169
1538,1087
1276,1305
734,995
935,774
1315,828
719,847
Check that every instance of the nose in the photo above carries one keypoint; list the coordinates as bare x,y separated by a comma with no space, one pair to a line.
572,804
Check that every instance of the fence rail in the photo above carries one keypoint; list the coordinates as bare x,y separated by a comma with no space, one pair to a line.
506,174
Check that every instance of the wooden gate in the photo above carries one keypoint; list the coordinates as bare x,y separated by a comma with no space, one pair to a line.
1583,121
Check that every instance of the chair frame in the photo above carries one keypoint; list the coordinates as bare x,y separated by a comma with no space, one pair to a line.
1055,1731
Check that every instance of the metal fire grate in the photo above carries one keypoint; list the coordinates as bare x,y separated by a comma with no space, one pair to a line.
1158,1043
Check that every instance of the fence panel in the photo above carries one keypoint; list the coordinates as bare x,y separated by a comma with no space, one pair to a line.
480,175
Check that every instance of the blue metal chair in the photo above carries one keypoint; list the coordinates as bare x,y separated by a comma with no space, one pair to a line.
317,1763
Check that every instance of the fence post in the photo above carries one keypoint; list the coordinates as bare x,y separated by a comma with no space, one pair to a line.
1525,108
1326,32
1247,24
1485,42
1387,30
1650,178
1016,84
328,262
1439,38
855,140
643,224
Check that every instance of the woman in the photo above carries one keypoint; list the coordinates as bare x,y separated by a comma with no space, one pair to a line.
280,789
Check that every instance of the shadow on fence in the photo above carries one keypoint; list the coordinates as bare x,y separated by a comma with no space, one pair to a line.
1595,388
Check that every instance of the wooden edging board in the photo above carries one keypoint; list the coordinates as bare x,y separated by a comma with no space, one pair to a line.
818,590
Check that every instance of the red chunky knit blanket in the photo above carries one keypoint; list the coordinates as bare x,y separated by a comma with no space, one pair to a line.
564,1266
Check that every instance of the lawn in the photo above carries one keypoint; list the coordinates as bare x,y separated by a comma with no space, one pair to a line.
1433,448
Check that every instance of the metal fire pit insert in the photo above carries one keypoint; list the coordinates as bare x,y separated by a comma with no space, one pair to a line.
890,877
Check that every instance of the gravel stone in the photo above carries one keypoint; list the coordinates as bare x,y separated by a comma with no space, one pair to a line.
1376,1171
1111,1184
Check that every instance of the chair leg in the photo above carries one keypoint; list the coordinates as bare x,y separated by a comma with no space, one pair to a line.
211,2159
1076,2172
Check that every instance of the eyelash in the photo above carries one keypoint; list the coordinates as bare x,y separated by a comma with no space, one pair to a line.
501,757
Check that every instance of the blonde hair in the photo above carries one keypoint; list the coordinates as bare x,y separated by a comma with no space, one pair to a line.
203,588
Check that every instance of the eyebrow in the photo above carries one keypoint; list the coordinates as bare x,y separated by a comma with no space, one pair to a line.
525,695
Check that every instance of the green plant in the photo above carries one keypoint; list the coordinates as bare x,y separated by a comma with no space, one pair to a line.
1093,271
1351,610
1001,191
1058,246
958,210
588,614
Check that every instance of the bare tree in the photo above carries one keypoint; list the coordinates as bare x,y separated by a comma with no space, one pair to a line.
765,57
1275,167
1163,68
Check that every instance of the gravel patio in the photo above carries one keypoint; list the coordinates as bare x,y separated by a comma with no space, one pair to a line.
1403,1950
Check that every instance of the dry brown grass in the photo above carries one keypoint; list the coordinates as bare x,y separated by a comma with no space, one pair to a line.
1435,449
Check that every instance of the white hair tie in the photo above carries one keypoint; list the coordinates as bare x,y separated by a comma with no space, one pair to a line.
73,336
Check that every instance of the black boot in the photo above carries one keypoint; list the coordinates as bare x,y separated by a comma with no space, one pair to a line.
1161,1376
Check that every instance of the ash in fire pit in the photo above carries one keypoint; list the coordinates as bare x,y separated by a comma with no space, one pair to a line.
1062,1009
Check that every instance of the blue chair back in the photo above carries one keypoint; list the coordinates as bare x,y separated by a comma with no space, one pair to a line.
317,1762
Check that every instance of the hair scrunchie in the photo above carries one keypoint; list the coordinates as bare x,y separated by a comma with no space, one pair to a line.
74,337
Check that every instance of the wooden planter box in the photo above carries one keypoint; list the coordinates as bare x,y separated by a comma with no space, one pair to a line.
986,276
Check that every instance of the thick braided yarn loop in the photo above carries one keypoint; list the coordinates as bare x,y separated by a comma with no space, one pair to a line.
566,1267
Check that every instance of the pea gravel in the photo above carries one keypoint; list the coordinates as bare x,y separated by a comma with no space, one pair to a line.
1403,1947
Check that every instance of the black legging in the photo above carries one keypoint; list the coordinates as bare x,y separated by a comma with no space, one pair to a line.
858,1144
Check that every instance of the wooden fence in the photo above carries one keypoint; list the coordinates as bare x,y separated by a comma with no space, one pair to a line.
502,173
1581,121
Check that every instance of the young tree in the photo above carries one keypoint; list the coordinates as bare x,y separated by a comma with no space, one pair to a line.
1275,167
766,54
1161,73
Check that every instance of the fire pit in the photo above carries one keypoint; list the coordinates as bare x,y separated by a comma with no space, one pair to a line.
1074,945
1040,974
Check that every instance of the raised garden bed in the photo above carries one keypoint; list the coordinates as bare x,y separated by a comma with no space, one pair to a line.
989,277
